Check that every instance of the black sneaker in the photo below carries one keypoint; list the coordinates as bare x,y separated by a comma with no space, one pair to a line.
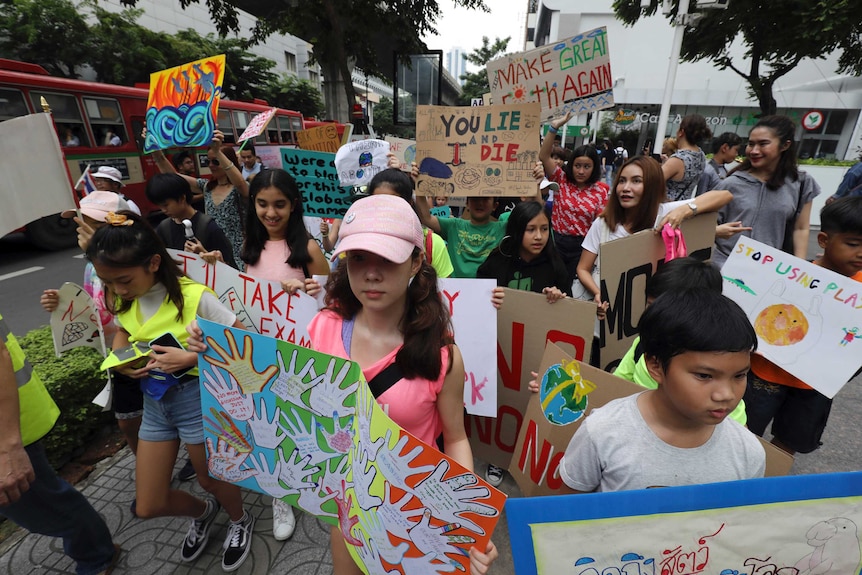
187,473
199,532
238,543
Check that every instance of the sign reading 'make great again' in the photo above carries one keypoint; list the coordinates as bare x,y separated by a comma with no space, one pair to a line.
572,75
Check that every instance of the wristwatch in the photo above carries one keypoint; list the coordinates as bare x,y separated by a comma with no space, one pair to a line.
693,207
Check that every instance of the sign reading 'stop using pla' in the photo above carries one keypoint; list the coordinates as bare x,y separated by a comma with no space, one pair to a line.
572,75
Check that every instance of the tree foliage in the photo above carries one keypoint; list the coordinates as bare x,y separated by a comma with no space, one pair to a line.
384,125
776,34
292,93
476,83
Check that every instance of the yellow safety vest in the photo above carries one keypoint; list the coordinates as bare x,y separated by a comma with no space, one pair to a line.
38,412
165,319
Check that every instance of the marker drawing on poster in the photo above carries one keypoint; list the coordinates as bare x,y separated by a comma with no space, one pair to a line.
572,75
477,151
808,319
182,107
358,162
75,322
303,426
404,150
317,178
320,138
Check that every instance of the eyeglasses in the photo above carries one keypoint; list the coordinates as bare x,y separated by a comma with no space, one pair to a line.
215,162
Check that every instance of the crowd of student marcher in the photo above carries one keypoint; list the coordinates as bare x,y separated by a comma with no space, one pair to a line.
694,352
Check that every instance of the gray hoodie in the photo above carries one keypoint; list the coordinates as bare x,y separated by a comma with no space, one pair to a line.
767,212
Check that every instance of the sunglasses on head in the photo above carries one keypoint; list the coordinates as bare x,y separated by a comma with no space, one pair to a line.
215,162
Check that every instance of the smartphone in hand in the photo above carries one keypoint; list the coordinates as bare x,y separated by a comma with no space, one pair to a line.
170,340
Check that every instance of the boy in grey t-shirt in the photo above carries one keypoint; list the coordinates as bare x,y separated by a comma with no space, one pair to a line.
697,346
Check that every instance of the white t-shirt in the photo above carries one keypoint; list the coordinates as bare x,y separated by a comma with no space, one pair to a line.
594,237
209,307
615,450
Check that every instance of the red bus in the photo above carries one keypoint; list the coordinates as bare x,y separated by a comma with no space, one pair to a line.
87,115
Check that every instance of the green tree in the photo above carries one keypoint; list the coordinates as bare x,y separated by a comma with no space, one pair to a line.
292,93
50,33
383,124
476,83
777,35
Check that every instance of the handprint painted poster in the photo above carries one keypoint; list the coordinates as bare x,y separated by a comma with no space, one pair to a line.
303,426
182,107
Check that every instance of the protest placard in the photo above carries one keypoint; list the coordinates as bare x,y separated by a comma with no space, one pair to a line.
303,427
524,324
627,264
477,150
404,150
261,305
317,178
320,138
182,106
572,75
808,319
791,525
75,322
257,125
358,162
33,185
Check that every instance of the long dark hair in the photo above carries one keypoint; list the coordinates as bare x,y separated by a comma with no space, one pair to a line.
785,130
295,235
655,192
122,246
425,325
510,246
589,151
695,129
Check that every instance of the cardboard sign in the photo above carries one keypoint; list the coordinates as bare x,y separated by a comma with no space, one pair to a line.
42,175
182,107
257,125
469,303
477,151
404,150
627,264
358,162
524,324
303,427
75,322
808,319
261,305
320,138
317,178
775,526
572,75
568,391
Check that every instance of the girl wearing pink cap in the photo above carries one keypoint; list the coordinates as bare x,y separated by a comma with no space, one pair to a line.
383,308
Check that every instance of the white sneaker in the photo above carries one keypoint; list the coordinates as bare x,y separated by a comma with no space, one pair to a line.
283,520
494,475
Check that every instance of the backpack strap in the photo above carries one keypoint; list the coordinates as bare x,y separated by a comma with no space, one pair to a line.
383,380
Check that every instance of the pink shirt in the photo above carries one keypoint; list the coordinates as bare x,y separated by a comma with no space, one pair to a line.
411,403
272,264
575,208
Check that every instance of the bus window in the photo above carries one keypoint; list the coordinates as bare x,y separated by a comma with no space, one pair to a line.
240,121
106,121
226,126
272,131
12,104
67,117
284,130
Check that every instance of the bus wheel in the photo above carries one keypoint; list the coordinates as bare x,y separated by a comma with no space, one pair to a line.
52,233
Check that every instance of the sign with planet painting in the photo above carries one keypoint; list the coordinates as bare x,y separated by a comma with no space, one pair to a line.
182,107
477,150
808,319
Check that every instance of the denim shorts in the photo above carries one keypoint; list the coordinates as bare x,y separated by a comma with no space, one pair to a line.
176,415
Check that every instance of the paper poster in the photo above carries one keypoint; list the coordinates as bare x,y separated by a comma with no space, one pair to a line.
320,138
182,107
525,323
261,305
477,150
568,391
42,175
303,427
75,322
257,125
317,178
627,264
358,162
808,319
796,525
469,303
404,150
572,75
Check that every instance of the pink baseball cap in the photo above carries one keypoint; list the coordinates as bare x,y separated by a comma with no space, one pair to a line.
383,225
97,205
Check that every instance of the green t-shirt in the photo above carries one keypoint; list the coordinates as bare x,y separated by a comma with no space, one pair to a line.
636,371
469,244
